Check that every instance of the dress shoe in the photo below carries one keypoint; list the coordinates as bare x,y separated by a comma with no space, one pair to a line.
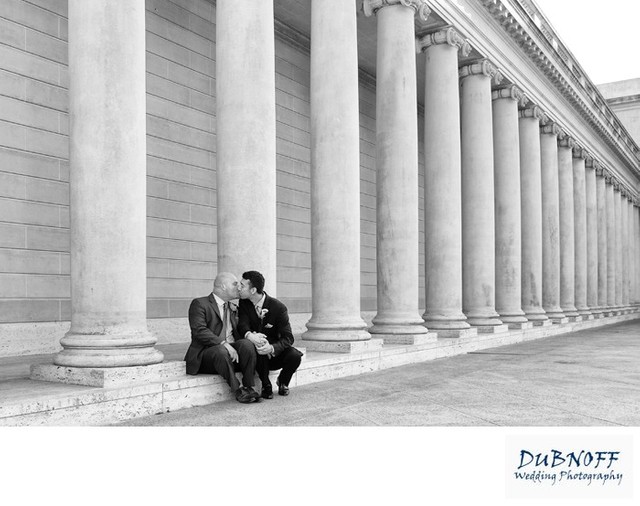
247,396
267,392
282,388
253,394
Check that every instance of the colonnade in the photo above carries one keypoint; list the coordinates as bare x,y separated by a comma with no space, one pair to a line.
523,226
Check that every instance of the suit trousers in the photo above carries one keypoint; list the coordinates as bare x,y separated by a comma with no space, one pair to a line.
216,360
288,361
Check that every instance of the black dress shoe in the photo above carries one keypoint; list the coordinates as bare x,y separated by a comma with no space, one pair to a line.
282,388
243,396
247,395
267,393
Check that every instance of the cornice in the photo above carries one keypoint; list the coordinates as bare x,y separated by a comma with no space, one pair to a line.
564,72
371,7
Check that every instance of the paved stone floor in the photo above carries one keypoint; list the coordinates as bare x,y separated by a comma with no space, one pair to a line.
587,378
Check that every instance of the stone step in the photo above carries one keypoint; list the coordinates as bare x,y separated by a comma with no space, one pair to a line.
26,401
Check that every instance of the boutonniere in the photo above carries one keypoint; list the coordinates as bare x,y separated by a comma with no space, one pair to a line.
263,313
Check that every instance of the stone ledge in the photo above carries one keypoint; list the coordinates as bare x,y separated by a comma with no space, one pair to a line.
107,376
44,403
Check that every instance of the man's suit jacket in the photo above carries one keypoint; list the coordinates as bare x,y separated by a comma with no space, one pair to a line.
275,324
206,326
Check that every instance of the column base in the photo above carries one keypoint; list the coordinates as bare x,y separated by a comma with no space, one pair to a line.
106,377
575,318
400,330
457,333
513,317
438,323
536,315
115,348
342,346
520,326
483,320
586,313
570,312
429,337
492,329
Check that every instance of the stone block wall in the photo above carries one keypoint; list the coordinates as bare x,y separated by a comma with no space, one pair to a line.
181,182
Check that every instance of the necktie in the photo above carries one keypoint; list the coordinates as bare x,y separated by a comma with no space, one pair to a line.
226,328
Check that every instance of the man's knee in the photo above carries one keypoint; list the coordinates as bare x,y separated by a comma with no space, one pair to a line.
245,346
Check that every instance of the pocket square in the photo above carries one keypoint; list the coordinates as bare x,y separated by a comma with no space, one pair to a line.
268,326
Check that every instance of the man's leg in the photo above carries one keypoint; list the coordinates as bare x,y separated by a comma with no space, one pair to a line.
216,360
246,361
289,361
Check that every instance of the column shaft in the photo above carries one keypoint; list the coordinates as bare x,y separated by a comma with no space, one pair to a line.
442,193
531,202
592,241
107,109
580,233
246,163
550,224
478,218
611,245
398,319
508,216
601,197
625,250
335,175
567,229
619,267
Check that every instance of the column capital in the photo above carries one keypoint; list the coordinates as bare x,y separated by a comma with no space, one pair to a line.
579,151
552,128
567,142
533,111
445,36
510,91
481,67
371,7
592,163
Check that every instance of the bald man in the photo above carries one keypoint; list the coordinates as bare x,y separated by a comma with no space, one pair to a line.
216,346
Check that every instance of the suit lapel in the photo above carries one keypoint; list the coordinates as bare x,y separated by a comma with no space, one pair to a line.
214,304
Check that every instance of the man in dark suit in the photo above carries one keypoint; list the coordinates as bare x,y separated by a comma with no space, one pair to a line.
264,321
216,346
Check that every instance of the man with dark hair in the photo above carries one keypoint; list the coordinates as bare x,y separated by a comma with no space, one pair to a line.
216,346
264,321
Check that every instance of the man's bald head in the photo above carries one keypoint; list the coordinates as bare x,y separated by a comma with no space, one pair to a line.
225,286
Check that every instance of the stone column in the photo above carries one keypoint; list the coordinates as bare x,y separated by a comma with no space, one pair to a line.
531,202
636,235
601,198
442,189
478,217
336,323
580,232
246,163
592,238
619,267
550,222
567,229
508,248
611,244
107,108
625,249
398,319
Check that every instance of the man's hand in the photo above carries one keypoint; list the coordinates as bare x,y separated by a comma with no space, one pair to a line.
257,338
266,349
232,352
